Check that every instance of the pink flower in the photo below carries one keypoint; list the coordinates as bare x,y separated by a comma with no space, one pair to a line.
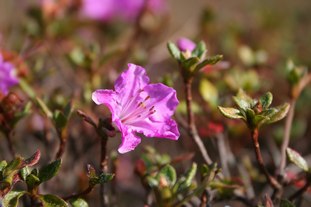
7,76
185,44
126,10
139,107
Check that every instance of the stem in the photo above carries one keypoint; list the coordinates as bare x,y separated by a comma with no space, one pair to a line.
103,166
83,193
62,145
191,122
204,199
272,181
302,190
10,143
286,138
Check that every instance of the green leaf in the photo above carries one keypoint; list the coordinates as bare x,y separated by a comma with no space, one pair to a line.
78,202
243,100
52,201
209,61
11,199
3,164
208,92
190,174
60,119
49,171
169,173
297,159
174,51
190,63
44,108
34,159
231,113
24,172
32,181
266,100
77,57
13,166
27,88
105,177
247,55
279,113
286,203
200,50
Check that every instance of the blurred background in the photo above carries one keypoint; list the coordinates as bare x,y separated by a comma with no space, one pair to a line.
68,56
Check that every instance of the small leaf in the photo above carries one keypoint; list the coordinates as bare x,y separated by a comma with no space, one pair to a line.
11,199
208,92
78,202
60,119
200,50
243,100
49,171
279,113
44,108
24,172
286,203
189,63
266,100
169,173
3,164
174,51
105,177
209,61
231,113
52,201
190,174
32,181
297,159
13,166
27,88
34,159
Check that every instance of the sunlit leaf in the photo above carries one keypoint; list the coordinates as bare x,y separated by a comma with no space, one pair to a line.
297,159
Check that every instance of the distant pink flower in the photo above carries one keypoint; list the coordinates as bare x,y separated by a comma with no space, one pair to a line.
126,10
7,76
185,44
139,107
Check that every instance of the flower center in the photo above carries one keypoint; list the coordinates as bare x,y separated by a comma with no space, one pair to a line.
136,112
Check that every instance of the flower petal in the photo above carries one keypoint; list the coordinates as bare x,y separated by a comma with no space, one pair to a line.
130,82
108,98
185,44
161,129
162,99
129,139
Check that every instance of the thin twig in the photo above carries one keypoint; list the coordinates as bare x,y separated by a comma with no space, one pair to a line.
103,166
83,193
192,130
63,141
8,136
286,138
272,181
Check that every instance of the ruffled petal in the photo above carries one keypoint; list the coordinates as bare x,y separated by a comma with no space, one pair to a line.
161,102
130,82
109,98
161,129
129,139
162,98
